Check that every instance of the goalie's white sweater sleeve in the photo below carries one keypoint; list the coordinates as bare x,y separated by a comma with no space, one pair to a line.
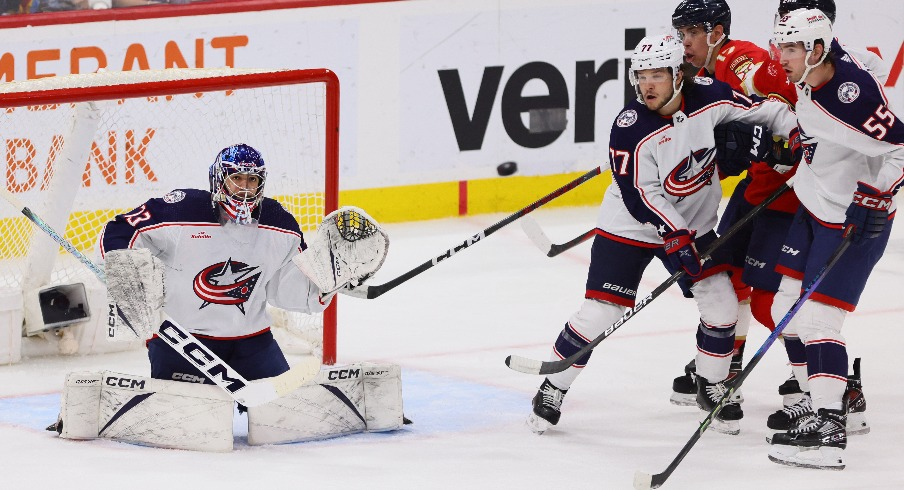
849,134
291,290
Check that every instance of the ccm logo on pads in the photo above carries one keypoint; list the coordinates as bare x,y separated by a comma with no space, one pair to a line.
124,382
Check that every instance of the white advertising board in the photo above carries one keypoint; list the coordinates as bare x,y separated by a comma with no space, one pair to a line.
437,90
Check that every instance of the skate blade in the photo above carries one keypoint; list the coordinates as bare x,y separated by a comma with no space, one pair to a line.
683,399
537,425
824,458
857,424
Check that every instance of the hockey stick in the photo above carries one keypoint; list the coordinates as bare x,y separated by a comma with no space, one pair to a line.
645,480
532,366
535,233
371,292
248,393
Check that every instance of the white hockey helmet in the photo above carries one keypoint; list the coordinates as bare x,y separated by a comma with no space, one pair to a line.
662,51
806,26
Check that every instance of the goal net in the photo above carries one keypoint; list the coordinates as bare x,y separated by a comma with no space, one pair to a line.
80,149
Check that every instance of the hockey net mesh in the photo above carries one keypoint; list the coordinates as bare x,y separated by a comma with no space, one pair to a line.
143,146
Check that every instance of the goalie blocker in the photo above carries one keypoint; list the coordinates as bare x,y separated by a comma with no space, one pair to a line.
170,414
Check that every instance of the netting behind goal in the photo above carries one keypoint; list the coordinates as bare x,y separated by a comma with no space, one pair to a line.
80,149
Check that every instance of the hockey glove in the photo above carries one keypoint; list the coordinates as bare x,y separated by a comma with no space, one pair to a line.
348,248
868,212
679,248
738,144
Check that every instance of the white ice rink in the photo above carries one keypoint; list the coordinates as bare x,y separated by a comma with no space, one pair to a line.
450,329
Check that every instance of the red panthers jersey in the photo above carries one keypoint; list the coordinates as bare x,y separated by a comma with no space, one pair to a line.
749,69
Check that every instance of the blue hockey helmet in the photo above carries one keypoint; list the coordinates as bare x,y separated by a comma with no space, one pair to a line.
708,13
240,202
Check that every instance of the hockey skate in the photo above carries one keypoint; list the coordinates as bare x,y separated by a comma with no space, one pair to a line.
790,391
708,396
734,370
819,443
856,404
684,388
790,417
547,408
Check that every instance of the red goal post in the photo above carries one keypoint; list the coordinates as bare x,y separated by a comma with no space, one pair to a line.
81,148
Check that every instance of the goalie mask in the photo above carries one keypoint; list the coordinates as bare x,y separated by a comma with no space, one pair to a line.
237,180
652,52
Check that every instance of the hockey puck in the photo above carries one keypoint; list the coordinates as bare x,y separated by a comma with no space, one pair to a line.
507,168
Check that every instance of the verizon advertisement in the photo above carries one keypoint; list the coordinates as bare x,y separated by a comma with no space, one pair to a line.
437,90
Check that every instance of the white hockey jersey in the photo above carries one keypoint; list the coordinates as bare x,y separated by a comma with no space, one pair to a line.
664,169
848,134
219,278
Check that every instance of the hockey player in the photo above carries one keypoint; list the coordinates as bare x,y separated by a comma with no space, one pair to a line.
864,58
853,147
664,205
222,256
226,253
703,26
792,413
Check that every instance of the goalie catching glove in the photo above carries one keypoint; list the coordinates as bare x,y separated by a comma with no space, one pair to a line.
135,292
348,248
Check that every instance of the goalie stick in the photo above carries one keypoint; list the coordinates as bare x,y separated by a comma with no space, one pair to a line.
538,236
371,292
248,393
532,366
645,480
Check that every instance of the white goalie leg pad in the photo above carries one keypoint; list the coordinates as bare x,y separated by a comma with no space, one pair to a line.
382,397
342,400
145,411
135,290
348,247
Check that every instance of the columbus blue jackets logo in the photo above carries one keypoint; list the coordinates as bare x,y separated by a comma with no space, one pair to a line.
692,174
626,118
848,92
226,283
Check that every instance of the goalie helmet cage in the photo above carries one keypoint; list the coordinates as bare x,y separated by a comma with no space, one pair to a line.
80,149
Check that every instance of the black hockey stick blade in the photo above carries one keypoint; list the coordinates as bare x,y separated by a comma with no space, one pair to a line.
371,292
645,480
532,366
538,236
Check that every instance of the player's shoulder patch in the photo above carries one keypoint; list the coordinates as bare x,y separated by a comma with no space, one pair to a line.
174,196
738,62
626,118
703,80
848,92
